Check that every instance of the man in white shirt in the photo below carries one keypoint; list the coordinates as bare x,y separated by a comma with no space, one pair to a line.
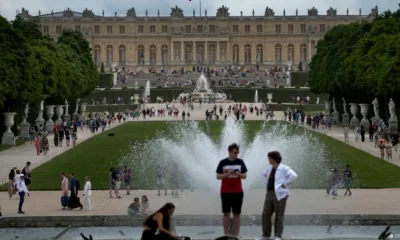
277,177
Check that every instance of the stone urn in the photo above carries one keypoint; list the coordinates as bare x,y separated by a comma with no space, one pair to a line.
269,97
328,106
59,112
136,98
82,110
50,114
354,122
289,64
8,136
364,111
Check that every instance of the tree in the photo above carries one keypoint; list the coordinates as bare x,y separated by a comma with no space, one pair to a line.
102,67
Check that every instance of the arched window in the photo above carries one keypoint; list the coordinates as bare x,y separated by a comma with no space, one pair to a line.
97,54
290,52
212,53
260,54
303,53
278,53
140,54
164,54
153,55
247,54
235,54
200,54
122,55
188,53
109,54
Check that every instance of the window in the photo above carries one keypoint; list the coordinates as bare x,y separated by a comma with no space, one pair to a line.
278,28
259,28
247,54
58,29
46,29
140,28
122,29
188,29
260,54
247,28
97,29
303,53
290,28
152,29
235,54
78,28
303,28
109,29
235,28
278,53
122,54
291,52
164,28
97,54
200,28
212,28
322,28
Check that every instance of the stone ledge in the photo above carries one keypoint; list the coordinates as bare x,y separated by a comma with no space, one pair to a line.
193,220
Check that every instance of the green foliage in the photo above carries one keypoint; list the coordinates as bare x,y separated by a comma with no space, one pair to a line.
359,61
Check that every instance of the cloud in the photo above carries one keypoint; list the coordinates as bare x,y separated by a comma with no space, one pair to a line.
8,7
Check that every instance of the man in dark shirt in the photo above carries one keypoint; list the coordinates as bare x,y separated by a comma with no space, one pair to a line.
231,170
74,201
348,177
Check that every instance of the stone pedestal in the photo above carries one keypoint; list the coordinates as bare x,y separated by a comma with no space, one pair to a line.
82,111
354,122
50,114
39,122
345,119
8,136
66,117
335,117
393,125
24,130
76,116
136,98
328,107
269,96
59,112
364,111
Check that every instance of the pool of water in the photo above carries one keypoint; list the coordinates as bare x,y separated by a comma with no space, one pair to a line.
197,232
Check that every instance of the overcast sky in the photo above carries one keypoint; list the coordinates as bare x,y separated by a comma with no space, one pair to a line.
8,7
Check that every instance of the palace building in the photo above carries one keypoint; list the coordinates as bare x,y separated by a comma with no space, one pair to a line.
179,41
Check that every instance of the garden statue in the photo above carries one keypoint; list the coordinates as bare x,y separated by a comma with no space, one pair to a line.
317,100
344,106
392,110
375,104
66,107
104,100
334,105
40,115
77,106
26,111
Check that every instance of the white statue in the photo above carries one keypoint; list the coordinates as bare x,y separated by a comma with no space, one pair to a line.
26,111
104,100
77,106
317,100
66,107
375,104
344,106
334,105
392,110
40,114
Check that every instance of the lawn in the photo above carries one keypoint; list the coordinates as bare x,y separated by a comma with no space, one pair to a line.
147,145
18,142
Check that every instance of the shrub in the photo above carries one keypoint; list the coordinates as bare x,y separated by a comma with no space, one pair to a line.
297,86
281,86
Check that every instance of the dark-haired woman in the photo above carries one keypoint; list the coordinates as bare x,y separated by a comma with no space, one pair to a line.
11,177
161,221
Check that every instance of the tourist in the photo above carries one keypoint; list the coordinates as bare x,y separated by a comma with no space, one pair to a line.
159,221
348,177
60,135
230,171
10,186
175,181
74,136
357,133
277,177
160,181
67,136
111,181
371,133
22,190
382,148
134,207
74,201
55,132
64,191
362,133
27,173
44,144
388,147
117,178
335,181
37,144
32,133
127,179
87,193
346,133
145,206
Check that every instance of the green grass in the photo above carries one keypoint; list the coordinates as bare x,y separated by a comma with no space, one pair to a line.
95,156
18,142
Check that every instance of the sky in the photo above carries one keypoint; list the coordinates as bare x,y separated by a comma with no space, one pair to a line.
8,8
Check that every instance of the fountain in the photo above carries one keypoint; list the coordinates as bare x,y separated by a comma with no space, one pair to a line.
256,96
203,91
146,92
188,145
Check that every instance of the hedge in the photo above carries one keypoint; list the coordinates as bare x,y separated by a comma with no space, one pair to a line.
105,80
238,94
299,78
110,108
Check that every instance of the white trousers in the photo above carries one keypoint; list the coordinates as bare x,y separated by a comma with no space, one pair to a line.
87,203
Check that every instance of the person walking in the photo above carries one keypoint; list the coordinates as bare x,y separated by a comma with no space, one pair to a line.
362,132
22,190
26,171
277,177
87,192
64,191
10,186
348,177
74,201
231,171
336,181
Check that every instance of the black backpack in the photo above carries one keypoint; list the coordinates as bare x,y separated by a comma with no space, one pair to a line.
78,185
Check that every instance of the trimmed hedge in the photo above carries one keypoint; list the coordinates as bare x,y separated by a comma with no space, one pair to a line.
105,80
280,95
304,107
299,78
110,108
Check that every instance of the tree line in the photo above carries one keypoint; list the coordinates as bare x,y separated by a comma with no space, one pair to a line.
34,67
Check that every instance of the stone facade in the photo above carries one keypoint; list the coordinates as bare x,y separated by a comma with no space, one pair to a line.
179,40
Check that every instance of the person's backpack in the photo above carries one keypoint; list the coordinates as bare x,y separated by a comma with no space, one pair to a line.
78,185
